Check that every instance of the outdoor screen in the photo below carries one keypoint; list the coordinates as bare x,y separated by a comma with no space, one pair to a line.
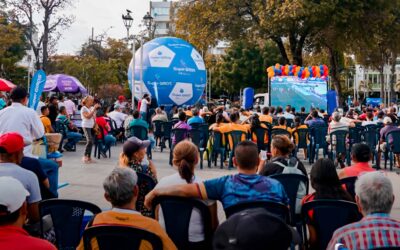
297,92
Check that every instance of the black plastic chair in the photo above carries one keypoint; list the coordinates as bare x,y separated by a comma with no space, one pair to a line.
349,183
289,122
158,132
236,136
195,125
177,223
279,131
392,147
119,237
99,143
217,148
302,143
291,183
328,215
276,208
167,129
67,217
179,134
317,142
355,135
61,128
146,184
198,138
338,146
371,138
261,134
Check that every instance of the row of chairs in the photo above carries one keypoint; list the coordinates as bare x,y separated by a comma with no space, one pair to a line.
70,217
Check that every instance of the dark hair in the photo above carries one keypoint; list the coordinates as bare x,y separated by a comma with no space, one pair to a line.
255,122
62,108
293,110
314,113
288,108
265,110
246,155
52,99
297,121
219,118
325,181
370,115
185,156
234,116
18,94
361,152
279,109
8,218
303,109
195,112
43,108
381,114
272,110
182,116
283,144
136,114
281,121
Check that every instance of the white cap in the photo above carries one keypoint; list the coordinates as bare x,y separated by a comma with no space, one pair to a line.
387,120
12,193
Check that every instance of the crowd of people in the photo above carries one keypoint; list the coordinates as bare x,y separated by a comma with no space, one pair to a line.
27,178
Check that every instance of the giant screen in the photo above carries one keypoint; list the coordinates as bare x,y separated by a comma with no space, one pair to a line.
297,92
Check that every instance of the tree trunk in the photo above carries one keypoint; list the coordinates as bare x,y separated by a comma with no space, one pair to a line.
45,44
334,72
282,50
393,76
381,75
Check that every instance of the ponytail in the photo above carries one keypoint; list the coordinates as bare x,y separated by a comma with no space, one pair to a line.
185,171
185,158
124,160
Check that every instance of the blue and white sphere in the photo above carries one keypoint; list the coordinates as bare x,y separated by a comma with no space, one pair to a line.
173,72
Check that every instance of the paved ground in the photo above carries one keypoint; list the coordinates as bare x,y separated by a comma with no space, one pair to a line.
86,180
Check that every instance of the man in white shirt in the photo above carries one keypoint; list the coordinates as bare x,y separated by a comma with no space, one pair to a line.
40,105
69,106
146,101
117,115
23,120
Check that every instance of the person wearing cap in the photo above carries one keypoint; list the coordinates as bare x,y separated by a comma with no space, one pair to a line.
388,127
121,100
232,189
11,153
121,190
360,155
133,156
13,214
23,120
117,115
254,229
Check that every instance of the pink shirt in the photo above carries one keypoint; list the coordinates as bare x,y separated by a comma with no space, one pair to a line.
357,169
69,106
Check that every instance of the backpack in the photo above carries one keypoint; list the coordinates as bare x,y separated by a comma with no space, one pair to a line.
292,168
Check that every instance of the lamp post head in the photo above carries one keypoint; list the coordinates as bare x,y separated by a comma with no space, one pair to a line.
128,20
148,20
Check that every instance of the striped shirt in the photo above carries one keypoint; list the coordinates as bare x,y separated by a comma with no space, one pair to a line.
376,230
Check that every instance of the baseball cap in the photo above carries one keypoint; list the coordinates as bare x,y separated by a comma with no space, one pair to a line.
121,98
133,144
253,229
11,142
387,120
117,106
12,194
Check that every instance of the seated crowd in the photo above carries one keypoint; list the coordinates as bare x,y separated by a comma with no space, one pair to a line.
251,197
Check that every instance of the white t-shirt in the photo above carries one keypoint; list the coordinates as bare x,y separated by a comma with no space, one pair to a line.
366,123
118,117
143,105
196,228
87,123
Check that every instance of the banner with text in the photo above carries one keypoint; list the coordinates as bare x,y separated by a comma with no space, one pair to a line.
37,86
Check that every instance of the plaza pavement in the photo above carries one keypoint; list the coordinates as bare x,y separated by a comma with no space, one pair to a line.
85,181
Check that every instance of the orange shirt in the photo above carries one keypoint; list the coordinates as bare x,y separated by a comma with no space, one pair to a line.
266,118
46,123
357,169
135,220
234,127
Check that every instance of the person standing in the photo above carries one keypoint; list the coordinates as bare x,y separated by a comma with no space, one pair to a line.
69,106
53,110
88,114
146,101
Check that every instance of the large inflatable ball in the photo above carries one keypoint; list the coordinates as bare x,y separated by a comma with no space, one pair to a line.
173,72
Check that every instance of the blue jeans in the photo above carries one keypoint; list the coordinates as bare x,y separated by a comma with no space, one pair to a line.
143,115
152,142
50,167
73,139
109,140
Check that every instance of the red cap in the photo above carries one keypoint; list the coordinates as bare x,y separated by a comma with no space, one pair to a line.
11,142
121,98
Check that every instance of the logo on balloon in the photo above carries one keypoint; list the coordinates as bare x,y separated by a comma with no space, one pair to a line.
181,93
161,57
198,60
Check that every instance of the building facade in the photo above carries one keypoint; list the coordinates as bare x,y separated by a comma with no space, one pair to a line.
161,12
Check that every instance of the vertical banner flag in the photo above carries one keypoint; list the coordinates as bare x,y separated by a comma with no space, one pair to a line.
37,86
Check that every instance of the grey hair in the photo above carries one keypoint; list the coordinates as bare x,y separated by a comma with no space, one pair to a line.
195,112
158,111
375,192
119,186
336,116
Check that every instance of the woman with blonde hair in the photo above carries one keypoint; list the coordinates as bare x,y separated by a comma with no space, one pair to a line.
88,114
133,156
185,159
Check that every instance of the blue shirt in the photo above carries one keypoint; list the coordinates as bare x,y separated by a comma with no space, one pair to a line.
233,189
3,104
139,122
315,122
195,119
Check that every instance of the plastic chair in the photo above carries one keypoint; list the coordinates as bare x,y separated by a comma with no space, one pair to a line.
119,237
237,136
317,142
280,131
302,143
97,145
167,129
179,134
145,183
217,148
199,137
67,217
328,215
349,183
276,208
195,125
177,223
355,135
392,147
338,145
289,122
371,138
158,132
261,134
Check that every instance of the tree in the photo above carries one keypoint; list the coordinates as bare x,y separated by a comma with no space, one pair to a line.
48,30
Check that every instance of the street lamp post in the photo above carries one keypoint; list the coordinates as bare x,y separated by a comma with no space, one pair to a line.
128,20
148,21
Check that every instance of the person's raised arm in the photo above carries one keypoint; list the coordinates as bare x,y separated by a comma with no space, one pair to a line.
90,114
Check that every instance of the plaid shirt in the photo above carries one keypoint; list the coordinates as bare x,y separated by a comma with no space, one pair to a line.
376,230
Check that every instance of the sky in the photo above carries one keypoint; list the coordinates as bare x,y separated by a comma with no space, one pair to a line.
103,16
